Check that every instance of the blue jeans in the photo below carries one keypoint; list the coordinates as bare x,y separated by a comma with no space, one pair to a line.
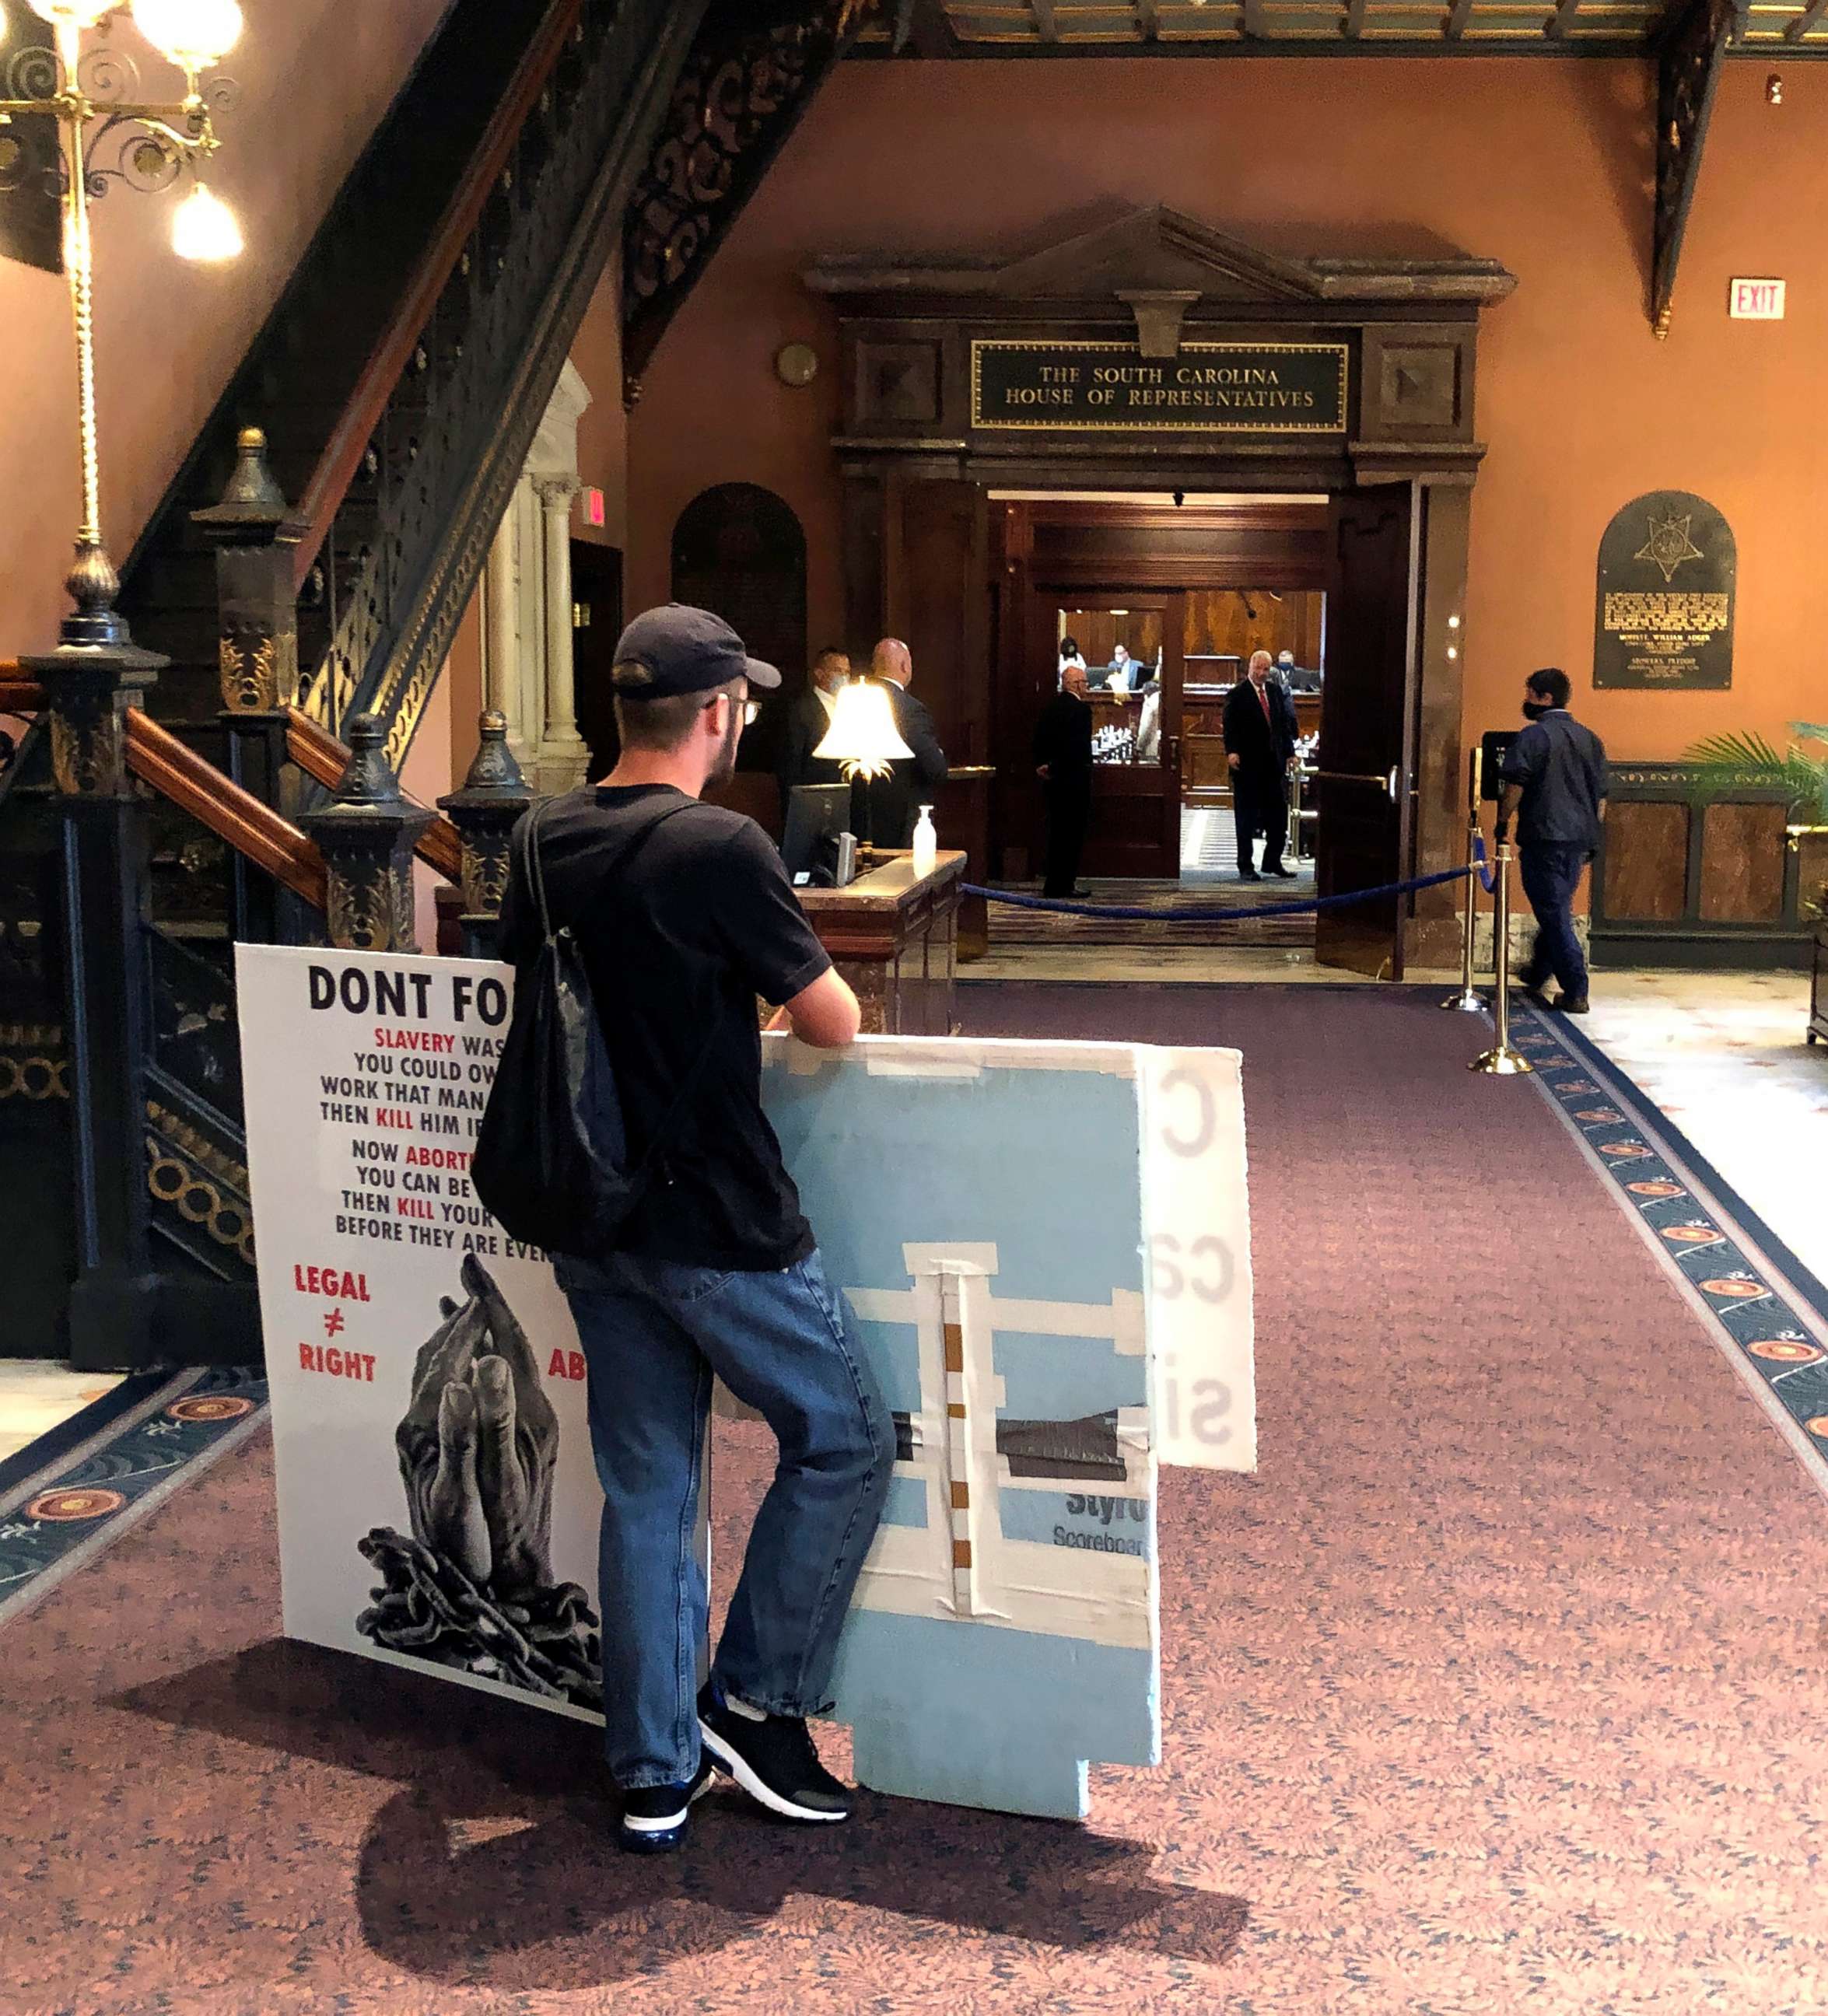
1550,877
654,1334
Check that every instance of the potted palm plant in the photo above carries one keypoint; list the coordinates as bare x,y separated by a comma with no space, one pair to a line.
1720,762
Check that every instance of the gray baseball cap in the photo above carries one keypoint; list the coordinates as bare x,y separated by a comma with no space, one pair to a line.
676,649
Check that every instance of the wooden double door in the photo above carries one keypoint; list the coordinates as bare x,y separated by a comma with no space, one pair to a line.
978,585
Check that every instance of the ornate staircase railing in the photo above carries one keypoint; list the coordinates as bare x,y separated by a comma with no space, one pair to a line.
403,462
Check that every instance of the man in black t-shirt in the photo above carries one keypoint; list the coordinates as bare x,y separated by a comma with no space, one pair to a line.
684,915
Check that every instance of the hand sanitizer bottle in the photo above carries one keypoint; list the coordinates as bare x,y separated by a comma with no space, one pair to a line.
926,842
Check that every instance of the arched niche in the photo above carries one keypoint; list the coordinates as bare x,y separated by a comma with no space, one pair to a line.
739,549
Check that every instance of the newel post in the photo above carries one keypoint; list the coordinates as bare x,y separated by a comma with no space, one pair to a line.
494,797
255,538
89,690
366,833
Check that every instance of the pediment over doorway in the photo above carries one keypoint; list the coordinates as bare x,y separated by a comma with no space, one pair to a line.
1159,252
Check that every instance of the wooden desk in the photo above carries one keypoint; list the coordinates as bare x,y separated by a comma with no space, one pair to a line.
963,817
894,936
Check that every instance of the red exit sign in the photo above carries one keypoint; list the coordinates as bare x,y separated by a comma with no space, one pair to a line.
1757,301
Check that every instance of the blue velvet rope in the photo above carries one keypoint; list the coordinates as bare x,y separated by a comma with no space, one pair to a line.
1487,881
1207,913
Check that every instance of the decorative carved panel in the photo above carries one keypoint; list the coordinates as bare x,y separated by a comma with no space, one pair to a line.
897,383
1646,861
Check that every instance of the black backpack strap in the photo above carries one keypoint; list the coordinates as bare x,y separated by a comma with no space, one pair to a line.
533,867
535,872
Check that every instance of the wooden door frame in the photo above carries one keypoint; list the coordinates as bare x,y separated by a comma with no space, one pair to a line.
1433,800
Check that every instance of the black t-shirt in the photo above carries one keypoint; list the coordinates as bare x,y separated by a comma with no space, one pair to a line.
679,937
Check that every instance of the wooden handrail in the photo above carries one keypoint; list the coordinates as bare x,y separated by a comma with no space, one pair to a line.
18,694
342,456
196,785
319,755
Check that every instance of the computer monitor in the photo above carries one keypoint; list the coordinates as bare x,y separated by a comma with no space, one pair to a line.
816,813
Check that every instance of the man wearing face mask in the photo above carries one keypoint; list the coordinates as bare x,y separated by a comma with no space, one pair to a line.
1553,781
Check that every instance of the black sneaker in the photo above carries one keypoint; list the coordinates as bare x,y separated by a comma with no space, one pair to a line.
773,1760
1570,1004
1276,868
654,1816
1249,875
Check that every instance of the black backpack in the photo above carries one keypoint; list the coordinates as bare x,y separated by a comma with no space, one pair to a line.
551,1157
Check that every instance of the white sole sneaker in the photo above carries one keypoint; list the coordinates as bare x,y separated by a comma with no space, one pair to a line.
732,1760
640,1830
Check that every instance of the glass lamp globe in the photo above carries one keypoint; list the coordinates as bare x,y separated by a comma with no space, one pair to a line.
863,737
193,33
203,229
73,13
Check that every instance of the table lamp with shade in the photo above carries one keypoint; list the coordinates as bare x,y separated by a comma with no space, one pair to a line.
862,739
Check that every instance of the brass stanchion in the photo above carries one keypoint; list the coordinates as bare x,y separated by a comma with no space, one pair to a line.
1470,1000
1501,1060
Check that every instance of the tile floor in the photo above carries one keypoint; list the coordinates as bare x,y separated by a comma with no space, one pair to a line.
1724,1055
37,1394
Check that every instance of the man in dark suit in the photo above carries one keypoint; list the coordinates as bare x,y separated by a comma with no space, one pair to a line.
893,800
807,720
1063,762
1260,733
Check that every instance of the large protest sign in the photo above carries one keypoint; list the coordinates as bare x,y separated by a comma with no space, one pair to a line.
437,1500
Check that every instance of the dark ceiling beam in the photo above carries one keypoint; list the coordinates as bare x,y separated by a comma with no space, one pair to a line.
922,27
1044,20
1691,46
1805,21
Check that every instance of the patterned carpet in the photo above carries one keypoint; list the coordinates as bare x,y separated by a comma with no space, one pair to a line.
1012,925
1494,1691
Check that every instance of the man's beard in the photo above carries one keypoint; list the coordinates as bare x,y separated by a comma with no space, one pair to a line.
724,769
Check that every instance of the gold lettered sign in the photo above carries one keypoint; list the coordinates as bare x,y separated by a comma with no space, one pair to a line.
1665,607
1243,388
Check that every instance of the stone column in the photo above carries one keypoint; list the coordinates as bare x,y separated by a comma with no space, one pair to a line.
501,650
564,758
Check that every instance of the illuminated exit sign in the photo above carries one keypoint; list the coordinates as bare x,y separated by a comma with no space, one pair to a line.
1757,301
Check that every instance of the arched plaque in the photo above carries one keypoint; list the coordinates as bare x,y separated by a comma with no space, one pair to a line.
1663,610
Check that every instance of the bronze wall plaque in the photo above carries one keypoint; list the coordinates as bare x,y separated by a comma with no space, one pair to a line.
1664,609
1253,388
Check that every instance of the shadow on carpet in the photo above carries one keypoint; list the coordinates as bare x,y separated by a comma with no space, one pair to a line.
491,1857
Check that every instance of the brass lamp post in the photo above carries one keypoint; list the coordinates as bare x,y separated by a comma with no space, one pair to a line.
153,144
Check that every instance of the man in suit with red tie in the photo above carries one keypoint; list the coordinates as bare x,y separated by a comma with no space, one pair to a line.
1259,731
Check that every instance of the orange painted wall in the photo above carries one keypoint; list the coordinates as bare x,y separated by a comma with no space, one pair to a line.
315,76
1544,165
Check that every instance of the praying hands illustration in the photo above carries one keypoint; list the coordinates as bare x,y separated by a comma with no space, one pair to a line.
478,1444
